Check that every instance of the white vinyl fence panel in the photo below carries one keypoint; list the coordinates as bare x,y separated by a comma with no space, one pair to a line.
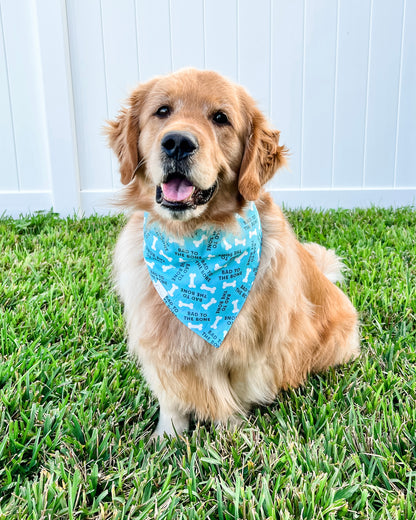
337,77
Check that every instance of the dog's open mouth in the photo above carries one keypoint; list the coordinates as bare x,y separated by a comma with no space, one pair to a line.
179,194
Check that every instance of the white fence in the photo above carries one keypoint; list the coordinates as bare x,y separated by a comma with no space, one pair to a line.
338,78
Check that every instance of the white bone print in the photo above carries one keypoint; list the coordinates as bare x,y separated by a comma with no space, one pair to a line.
150,264
231,284
248,271
189,305
172,290
240,242
252,233
154,243
179,241
206,305
226,244
238,260
210,289
167,267
168,258
191,281
197,243
235,309
199,327
215,324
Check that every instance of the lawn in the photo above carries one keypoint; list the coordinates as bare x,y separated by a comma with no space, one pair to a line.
75,413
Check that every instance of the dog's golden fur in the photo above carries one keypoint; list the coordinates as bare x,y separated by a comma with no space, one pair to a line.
295,320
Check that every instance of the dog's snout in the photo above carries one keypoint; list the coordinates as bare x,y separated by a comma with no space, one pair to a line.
179,145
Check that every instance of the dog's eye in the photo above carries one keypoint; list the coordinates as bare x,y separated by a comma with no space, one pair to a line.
163,111
220,118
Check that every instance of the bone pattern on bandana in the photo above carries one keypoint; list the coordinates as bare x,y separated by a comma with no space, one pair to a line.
204,279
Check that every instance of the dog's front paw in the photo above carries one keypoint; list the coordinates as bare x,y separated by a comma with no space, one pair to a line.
170,424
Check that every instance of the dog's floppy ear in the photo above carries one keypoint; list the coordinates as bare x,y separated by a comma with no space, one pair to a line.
262,157
123,133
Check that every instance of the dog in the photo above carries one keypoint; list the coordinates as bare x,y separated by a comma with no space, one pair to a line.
195,153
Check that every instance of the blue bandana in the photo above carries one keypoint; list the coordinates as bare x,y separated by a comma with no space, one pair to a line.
205,278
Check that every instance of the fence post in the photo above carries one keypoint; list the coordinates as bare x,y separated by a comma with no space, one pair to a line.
59,107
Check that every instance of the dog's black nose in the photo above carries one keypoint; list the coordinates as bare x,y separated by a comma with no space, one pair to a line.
179,145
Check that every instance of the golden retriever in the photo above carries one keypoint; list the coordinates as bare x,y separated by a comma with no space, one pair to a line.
194,150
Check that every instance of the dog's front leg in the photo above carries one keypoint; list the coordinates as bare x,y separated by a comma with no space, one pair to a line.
172,417
171,420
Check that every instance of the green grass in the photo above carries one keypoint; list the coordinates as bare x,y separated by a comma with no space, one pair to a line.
75,413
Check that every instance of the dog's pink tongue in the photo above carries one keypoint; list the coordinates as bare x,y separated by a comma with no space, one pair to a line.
177,189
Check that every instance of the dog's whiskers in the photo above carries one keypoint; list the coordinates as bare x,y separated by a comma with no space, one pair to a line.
139,165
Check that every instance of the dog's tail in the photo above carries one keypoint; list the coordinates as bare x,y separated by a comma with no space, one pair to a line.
327,261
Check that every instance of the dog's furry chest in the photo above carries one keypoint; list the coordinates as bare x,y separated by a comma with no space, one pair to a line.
153,330
150,323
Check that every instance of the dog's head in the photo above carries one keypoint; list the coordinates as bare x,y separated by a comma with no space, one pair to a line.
193,145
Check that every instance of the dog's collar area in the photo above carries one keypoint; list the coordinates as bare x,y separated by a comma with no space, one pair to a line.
177,193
